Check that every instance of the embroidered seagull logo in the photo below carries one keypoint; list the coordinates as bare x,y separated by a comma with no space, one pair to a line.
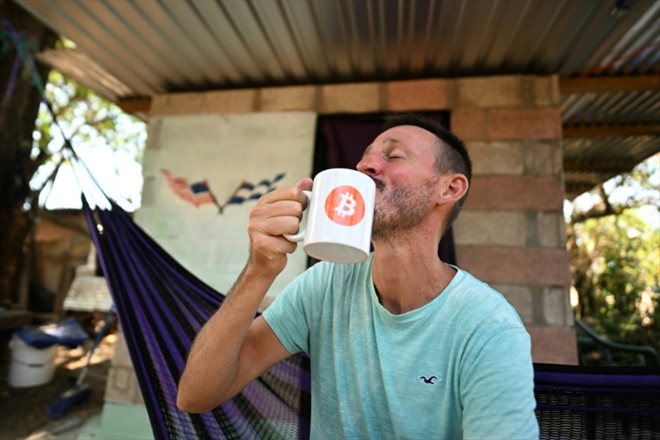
430,380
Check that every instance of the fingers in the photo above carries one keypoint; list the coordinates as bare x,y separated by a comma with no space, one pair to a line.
286,193
273,226
305,183
276,214
279,208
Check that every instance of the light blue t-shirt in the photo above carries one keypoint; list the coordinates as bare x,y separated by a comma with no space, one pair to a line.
458,367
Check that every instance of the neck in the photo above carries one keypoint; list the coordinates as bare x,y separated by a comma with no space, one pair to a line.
408,273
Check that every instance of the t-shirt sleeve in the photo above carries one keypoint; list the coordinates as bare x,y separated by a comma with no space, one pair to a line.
290,314
498,389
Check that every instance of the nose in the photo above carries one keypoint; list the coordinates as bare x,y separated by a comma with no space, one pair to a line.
369,165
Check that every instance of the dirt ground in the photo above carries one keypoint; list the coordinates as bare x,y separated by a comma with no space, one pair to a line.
23,410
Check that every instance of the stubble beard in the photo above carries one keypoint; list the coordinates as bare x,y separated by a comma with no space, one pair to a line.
400,210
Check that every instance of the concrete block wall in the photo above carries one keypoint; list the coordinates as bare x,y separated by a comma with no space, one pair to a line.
511,231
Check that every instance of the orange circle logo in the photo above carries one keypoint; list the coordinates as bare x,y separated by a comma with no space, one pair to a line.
345,205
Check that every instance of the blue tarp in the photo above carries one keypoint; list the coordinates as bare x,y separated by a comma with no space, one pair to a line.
68,333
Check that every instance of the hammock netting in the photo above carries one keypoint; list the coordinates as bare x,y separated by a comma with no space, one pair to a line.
161,306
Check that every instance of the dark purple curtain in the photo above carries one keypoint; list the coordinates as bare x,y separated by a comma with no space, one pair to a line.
341,139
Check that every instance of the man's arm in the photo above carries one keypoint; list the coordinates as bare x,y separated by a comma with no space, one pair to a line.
233,348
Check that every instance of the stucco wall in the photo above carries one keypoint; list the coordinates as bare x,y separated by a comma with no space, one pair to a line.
223,150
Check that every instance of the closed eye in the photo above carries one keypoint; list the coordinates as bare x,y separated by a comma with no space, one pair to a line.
395,155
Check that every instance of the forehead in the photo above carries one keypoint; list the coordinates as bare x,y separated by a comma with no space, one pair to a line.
409,136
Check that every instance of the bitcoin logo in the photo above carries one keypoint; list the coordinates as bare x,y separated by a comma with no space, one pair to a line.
345,205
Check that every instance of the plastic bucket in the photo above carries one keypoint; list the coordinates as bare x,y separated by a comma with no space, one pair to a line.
30,366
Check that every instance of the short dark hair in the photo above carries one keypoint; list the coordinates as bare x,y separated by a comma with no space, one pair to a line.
452,156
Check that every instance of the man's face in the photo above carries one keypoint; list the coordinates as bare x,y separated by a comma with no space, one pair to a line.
402,162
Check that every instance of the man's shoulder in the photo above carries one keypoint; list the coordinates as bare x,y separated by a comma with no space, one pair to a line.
483,302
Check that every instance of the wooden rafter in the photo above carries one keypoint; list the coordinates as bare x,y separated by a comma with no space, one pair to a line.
610,130
134,105
599,166
609,84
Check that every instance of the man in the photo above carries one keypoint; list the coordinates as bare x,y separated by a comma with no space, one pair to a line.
401,345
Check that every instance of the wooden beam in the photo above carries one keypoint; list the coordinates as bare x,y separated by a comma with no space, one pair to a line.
609,84
134,105
577,188
595,166
610,130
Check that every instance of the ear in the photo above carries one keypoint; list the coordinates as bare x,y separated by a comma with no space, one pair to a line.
454,186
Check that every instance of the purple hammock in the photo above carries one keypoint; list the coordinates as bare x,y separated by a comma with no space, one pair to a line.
161,307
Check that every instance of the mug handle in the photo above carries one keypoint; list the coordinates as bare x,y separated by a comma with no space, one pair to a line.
300,236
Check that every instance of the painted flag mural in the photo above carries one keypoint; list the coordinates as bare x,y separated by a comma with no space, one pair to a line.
196,194
249,191
203,173
199,193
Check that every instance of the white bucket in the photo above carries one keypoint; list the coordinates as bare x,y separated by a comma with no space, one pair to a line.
30,366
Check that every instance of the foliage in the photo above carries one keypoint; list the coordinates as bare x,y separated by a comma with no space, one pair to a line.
615,258
88,121
31,151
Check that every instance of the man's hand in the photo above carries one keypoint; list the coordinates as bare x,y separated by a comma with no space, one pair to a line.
233,348
277,213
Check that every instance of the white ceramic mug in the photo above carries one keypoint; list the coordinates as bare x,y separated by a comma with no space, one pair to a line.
340,214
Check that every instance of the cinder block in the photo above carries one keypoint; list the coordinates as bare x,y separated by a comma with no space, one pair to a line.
543,193
554,305
544,91
513,265
519,297
551,229
469,124
352,98
425,94
517,123
230,101
176,104
295,98
542,158
494,91
505,228
223,101
553,345
497,158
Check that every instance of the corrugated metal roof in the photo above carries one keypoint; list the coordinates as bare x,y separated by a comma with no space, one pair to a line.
616,107
158,46
588,162
140,48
